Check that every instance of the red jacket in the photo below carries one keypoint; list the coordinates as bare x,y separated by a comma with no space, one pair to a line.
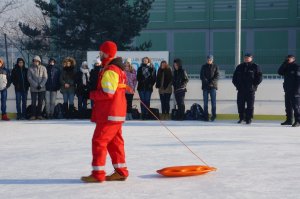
109,98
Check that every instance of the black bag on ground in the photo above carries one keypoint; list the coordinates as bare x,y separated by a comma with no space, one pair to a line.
58,111
188,115
135,113
197,112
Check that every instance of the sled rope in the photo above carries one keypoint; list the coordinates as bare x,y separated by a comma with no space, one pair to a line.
173,133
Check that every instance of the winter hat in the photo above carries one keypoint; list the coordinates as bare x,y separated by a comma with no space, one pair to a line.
109,48
248,55
84,64
37,58
128,60
210,57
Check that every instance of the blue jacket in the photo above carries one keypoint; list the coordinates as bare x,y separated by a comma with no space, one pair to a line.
53,83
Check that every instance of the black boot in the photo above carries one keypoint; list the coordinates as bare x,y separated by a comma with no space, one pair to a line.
65,110
71,112
296,124
287,122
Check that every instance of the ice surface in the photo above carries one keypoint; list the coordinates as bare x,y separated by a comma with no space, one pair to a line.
45,159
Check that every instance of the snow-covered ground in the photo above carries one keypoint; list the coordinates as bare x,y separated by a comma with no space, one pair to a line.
45,159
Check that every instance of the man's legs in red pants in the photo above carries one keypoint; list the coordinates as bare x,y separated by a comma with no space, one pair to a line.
107,137
117,153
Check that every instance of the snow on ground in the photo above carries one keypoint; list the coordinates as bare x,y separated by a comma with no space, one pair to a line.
45,159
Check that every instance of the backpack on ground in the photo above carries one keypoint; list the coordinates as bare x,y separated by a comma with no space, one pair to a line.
197,112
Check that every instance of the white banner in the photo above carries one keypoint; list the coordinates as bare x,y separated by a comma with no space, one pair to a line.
136,57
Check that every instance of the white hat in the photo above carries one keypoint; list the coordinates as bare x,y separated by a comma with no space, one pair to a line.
84,63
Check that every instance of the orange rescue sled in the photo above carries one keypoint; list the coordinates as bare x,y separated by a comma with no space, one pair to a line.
181,171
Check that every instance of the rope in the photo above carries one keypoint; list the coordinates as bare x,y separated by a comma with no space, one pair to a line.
173,133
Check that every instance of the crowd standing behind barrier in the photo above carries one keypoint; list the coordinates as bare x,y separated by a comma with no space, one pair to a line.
45,82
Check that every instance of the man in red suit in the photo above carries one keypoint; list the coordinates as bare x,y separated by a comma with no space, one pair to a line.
109,113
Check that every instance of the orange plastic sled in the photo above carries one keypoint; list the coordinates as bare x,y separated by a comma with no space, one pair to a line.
181,171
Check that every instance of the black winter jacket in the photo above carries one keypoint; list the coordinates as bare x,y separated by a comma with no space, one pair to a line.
19,78
288,71
81,90
53,83
180,80
146,83
247,77
209,76
94,74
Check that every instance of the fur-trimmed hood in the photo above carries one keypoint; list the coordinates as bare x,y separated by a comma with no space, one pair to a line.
69,59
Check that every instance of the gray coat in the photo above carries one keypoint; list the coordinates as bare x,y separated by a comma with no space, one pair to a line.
37,76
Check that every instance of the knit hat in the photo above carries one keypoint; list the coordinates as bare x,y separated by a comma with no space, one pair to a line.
109,48
290,56
37,58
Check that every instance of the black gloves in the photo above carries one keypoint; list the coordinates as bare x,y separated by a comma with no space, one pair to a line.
38,87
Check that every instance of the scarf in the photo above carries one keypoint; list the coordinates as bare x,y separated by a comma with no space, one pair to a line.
85,75
146,71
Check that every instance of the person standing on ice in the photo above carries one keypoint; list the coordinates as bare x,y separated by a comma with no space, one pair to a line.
246,78
109,113
288,70
209,75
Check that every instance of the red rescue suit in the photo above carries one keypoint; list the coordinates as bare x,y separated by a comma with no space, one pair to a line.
109,113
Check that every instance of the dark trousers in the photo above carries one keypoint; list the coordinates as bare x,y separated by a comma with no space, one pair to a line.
245,98
21,103
82,103
213,95
37,97
129,99
3,101
165,103
288,100
296,107
181,106
145,97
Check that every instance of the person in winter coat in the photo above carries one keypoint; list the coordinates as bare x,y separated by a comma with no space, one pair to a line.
109,113
180,80
131,82
289,70
246,78
209,76
20,81
94,74
37,77
82,86
67,85
52,86
146,77
164,82
4,85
